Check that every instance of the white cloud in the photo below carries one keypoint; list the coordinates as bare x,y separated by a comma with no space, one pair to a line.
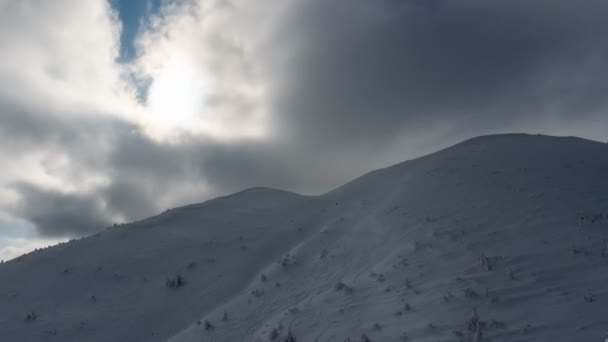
215,43
60,56
66,103
57,68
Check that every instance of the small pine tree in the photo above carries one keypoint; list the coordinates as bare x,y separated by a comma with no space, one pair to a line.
31,316
289,337
274,334
175,282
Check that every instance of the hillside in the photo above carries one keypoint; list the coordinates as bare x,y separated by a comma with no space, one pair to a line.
498,238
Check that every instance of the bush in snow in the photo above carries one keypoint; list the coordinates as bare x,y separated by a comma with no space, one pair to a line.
484,262
31,316
340,286
289,337
175,282
605,249
51,332
470,293
446,298
323,254
257,293
475,326
511,274
274,334
589,297
286,261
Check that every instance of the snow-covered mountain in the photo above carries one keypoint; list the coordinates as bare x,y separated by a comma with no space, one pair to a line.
499,238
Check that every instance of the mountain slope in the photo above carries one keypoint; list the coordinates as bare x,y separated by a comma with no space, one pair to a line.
499,238
112,286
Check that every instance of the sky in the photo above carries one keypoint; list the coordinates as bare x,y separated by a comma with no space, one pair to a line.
112,111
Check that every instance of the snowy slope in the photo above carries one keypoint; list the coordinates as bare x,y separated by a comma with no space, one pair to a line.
513,228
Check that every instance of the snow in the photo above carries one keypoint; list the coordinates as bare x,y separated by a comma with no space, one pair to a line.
507,226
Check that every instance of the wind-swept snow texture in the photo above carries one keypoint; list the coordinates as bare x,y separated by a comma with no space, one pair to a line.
499,238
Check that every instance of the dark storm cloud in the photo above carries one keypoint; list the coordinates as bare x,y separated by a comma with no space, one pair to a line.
134,153
237,166
352,70
21,128
129,198
142,171
60,214
24,128
226,166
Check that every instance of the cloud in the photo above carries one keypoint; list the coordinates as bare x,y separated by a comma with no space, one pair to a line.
61,214
351,71
62,100
61,57
213,42
299,94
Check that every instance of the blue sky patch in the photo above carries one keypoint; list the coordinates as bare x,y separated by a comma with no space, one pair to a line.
132,13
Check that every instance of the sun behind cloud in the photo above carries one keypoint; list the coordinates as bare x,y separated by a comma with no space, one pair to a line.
176,97
200,75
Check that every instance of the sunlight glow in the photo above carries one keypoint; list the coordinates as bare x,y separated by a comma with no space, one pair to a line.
176,97
186,99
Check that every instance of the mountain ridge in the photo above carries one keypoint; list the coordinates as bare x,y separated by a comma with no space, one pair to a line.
488,227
